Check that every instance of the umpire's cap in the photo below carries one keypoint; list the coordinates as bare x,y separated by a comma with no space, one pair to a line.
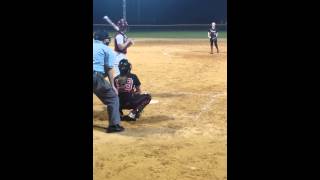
101,35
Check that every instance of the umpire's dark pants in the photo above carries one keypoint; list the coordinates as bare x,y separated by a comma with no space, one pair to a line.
103,90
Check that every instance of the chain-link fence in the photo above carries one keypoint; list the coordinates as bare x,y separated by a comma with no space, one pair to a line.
174,30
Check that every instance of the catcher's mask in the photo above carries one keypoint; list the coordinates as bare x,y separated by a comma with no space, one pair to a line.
122,24
124,67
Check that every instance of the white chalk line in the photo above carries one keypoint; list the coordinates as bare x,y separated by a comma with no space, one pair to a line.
205,108
188,93
166,52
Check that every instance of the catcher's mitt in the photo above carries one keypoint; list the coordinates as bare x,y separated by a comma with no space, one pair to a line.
122,80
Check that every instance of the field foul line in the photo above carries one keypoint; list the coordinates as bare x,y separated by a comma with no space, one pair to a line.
191,93
205,108
165,53
187,93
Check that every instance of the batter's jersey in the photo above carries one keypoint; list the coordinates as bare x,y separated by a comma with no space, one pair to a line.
129,87
213,33
120,39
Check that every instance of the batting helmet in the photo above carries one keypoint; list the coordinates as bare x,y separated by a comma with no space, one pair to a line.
122,24
124,67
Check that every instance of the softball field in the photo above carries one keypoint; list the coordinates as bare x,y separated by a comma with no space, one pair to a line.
184,135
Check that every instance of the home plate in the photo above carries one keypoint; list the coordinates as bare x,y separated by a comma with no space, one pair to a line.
154,101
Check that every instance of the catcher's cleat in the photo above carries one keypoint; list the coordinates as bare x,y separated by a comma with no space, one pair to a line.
128,118
138,114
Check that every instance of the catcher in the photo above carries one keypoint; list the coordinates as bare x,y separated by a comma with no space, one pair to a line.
130,96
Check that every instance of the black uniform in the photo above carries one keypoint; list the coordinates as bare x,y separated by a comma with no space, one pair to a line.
213,37
128,97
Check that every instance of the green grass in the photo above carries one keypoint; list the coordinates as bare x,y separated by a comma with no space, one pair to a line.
173,34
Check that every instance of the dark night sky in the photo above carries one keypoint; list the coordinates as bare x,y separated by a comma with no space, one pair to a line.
162,11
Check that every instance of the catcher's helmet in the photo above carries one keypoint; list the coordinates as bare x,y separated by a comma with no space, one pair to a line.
101,35
122,24
124,67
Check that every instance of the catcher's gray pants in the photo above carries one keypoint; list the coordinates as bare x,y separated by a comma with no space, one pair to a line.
103,90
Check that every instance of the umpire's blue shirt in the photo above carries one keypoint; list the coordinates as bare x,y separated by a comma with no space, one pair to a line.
102,56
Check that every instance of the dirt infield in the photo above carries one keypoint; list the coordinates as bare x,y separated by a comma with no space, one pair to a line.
184,136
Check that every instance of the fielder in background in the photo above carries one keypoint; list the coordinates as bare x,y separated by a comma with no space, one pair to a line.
121,43
103,61
130,96
213,35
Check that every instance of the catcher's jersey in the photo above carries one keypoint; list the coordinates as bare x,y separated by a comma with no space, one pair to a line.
213,33
128,87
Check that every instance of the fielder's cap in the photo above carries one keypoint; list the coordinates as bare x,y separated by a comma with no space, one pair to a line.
101,35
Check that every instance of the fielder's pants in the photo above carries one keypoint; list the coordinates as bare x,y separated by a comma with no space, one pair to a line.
103,90
215,41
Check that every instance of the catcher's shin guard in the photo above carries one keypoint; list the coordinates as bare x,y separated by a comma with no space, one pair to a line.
146,100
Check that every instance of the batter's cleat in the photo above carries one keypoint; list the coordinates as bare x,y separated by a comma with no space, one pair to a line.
115,128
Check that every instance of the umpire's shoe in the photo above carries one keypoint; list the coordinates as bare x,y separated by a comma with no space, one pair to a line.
115,128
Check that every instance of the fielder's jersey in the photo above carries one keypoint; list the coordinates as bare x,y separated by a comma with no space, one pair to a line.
213,33
129,87
120,39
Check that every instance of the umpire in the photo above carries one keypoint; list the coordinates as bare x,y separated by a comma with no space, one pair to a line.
103,61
